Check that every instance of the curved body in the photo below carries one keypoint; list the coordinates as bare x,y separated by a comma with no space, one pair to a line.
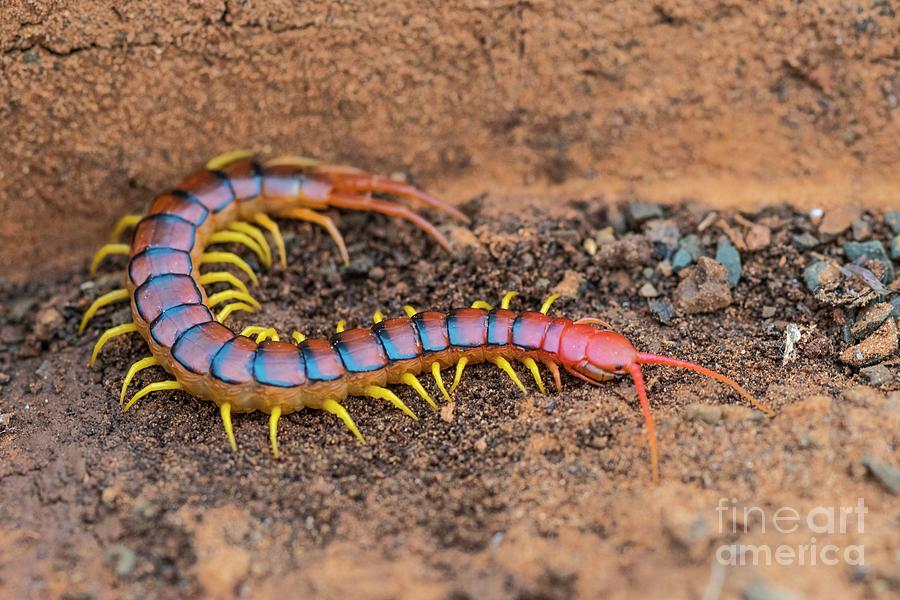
171,308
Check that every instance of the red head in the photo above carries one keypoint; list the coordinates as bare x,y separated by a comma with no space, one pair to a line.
596,355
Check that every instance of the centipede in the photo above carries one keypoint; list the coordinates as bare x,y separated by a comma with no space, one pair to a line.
172,271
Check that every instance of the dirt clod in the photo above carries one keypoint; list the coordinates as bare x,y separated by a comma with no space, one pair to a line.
875,348
704,288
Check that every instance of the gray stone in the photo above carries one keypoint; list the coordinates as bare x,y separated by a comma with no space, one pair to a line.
877,374
663,232
730,258
805,241
648,291
873,250
895,248
639,212
663,310
892,219
895,307
689,250
887,474
760,590
817,272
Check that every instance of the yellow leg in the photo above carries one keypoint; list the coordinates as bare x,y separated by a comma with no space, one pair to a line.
341,326
504,303
110,334
382,393
294,160
436,372
273,430
311,216
482,304
460,366
532,366
413,382
272,227
225,412
253,330
378,317
550,300
298,337
122,225
233,307
227,158
104,300
220,297
230,258
507,368
333,407
223,277
153,387
140,365
268,334
236,237
106,251
409,310
257,235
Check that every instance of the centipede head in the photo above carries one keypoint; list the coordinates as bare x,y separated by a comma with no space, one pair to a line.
597,354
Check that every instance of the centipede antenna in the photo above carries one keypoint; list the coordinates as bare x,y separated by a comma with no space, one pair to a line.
227,158
457,376
236,237
223,277
333,407
150,388
272,227
311,216
378,317
124,224
135,368
382,393
413,382
507,368
482,304
341,326
257,235
104,300
409,310
225,412
545,307
645,358
273,430
436,373
638,377
532,366
220,297
298,337
110,334
507,297
233,307
229,258
105,251
554,370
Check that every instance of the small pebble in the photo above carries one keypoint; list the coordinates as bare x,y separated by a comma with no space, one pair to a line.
869,319
819,272
877,374
122,559
760,590
768,312
862,229
648,291
664,234
639,212
376,273
664,268
887,474
663,310
805,241
605,235
892,218
838,220
875,348
895,307
730,258
590,246
895,248
704,289
689,250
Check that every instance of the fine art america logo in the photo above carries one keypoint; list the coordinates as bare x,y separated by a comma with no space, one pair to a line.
823,521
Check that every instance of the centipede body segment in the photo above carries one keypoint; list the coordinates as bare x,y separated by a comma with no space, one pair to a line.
234,200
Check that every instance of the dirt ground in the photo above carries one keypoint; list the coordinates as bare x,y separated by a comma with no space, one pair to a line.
543,122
